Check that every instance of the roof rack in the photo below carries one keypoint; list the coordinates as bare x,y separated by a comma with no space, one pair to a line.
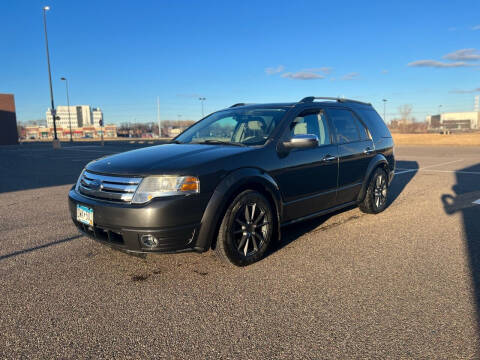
312,98
238,104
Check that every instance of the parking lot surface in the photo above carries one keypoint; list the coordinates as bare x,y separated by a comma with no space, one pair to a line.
401,284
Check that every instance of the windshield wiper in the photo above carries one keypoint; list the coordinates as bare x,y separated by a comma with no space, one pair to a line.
176,142
220,142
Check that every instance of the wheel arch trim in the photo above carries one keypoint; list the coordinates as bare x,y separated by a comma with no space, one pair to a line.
230,186
378,160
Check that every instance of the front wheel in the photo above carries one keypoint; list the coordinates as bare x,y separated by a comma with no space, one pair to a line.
376,196
246,229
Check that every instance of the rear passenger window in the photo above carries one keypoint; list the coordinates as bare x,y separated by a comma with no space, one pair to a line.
314,123
345,125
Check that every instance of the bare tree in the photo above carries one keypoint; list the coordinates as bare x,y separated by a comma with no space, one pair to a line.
405,112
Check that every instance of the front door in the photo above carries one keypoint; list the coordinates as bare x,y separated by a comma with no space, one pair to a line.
308,177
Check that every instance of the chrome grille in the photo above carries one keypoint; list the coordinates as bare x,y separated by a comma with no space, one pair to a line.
112,188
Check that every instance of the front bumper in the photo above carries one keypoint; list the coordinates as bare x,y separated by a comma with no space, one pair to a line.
174,221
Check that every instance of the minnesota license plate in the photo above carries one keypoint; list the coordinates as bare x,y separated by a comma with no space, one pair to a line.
85,214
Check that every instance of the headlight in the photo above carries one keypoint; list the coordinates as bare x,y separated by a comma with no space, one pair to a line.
165,185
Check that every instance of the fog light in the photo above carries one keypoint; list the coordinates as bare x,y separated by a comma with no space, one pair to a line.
149,240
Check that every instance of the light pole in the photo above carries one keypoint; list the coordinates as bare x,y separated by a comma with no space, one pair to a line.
56,143
385,110
202,99
158,118
68,105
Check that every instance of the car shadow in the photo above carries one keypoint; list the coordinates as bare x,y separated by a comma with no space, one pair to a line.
405,173
290,233
43,246
465,191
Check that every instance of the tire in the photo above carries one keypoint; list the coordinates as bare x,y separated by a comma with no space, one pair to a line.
376,195
246,229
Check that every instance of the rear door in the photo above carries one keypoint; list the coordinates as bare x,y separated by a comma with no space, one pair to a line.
355,150
308,177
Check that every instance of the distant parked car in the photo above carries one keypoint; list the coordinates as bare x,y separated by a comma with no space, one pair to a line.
230,181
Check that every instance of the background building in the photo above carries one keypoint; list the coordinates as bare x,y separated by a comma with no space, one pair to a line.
8,120
80,116
460,120
97,115
455,121
433,121
63,133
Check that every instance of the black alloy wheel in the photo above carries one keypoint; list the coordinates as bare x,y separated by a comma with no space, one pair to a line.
380,191
376,196
246,229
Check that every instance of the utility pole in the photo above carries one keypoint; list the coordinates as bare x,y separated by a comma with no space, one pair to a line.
68,105
385,110
158,118
56,142
202,99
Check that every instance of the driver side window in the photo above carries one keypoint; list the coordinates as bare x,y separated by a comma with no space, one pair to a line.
313,123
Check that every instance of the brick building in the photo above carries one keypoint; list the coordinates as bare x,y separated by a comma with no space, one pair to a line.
63,133
8,120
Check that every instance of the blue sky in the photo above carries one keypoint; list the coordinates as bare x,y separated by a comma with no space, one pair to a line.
121,55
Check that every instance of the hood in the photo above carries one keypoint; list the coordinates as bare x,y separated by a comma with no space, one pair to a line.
168,158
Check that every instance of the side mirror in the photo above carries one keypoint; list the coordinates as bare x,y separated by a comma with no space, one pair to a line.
301,141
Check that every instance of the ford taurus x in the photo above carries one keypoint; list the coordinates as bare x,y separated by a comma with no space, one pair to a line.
233,179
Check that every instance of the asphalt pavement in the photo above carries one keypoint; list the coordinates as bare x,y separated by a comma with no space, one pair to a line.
401,284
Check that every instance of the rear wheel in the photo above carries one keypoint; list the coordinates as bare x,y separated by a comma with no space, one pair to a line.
246,229
376,196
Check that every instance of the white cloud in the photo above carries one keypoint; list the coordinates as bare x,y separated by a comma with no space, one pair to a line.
463,55
325,69
438,64
350,76
303,75
274,70
476,27
384,71
465,91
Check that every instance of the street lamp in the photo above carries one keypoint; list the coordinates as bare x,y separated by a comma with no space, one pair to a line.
202,99
68,105
384,110
56,143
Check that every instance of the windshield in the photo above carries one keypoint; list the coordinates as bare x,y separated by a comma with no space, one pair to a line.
240,127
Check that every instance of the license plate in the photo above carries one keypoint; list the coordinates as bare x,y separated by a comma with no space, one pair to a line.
85,214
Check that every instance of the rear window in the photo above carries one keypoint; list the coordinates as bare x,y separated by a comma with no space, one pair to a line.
375,124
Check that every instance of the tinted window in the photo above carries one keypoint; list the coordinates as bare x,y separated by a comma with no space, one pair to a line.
243,125
364,134
345,126
375,124
312,123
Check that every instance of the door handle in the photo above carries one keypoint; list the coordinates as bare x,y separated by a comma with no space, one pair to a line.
328,158
367,151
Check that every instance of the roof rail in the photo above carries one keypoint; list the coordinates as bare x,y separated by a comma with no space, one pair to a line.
312,98
238,104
